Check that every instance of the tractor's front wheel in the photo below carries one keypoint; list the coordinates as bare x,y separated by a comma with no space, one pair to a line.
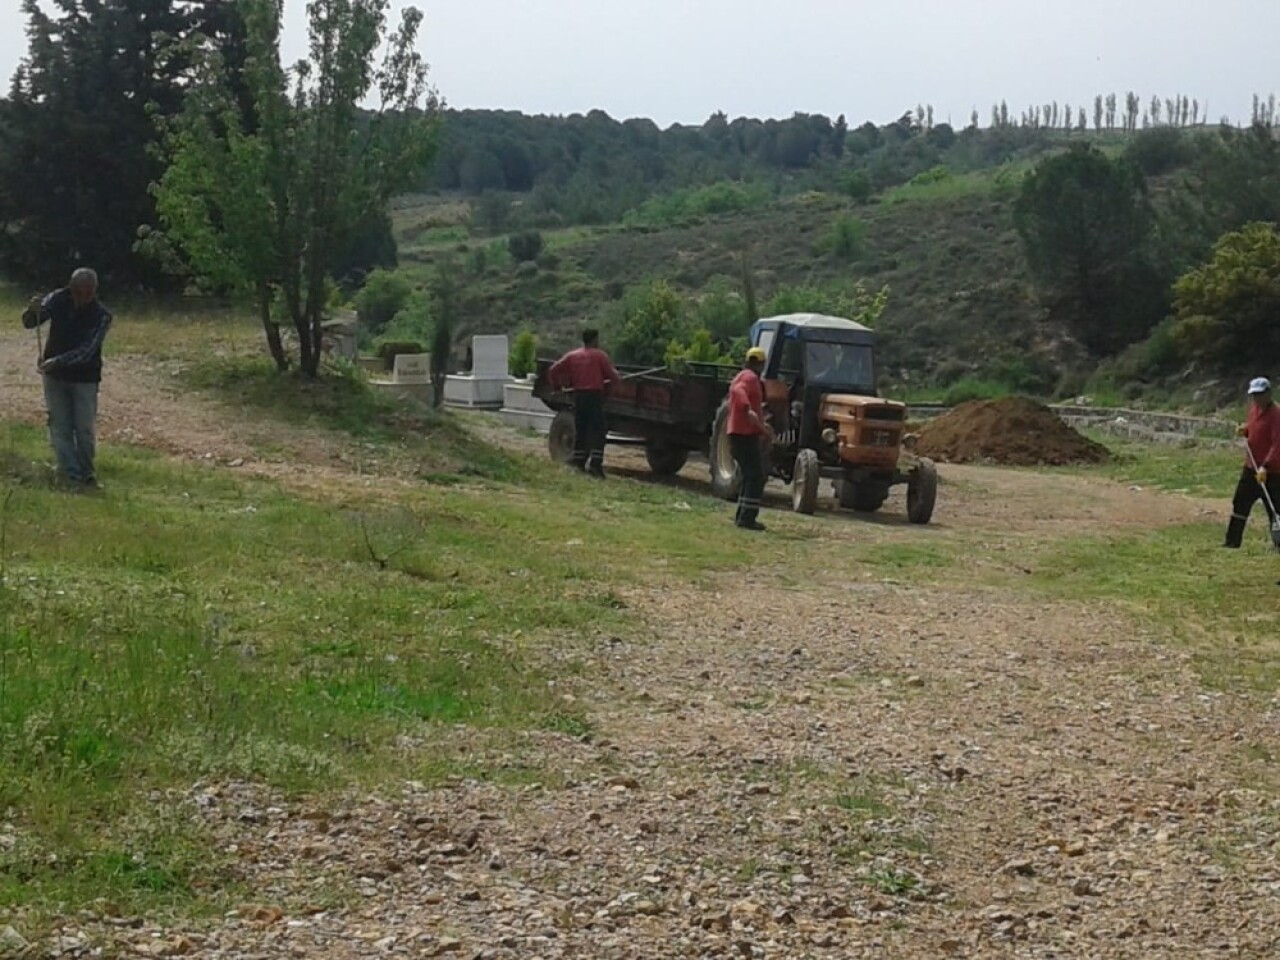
804,482
726,479
922,492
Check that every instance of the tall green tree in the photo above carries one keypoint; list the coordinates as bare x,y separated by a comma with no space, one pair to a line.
76,160
1225,310
1086,226
268,204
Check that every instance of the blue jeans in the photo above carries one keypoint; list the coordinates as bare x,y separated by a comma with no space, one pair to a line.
73,408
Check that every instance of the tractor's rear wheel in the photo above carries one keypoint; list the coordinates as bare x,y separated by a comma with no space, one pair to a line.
804,482
862,497
726,480
664,459
922,491
561,438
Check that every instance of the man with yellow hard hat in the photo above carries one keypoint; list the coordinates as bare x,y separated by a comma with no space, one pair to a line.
747,434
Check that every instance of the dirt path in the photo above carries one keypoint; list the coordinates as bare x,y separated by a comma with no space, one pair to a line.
838,768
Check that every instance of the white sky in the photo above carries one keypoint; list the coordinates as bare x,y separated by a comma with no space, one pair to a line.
679,61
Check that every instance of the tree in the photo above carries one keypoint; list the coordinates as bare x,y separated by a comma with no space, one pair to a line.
77,160
1225,309
267,206
1097,113
646,321
1085,221
383,296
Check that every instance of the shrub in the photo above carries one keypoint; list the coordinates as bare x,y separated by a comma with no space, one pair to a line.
524,354
388,350
383,296
525,246
847,237
857,185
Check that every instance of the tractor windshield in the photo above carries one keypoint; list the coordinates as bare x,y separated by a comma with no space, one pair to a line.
843,366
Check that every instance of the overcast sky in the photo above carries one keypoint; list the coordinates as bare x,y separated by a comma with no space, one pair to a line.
680,61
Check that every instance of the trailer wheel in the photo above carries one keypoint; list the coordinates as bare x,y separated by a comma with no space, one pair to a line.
561,438
664,459
726,482
804,482
922,492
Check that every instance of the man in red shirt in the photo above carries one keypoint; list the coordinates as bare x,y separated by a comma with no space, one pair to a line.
589,373
747,434
1262,433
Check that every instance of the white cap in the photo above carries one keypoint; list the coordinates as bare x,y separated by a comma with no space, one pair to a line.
1259,385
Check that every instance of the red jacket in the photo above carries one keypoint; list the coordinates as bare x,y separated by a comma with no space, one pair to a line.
1263,430
587,369
745,394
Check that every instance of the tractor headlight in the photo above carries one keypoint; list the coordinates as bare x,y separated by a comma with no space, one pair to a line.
829,436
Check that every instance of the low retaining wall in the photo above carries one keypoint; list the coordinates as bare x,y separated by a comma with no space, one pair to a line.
1147,425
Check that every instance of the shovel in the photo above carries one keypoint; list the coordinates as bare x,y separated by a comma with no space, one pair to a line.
1271,507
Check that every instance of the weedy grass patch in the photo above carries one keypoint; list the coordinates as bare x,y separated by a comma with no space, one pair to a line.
196,625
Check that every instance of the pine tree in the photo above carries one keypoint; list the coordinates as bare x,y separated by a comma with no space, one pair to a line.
77,161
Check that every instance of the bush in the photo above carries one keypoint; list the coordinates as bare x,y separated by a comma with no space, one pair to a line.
525,246
645,322
1160,150
388,350
857,186
524,354
847,238
701,348
383,296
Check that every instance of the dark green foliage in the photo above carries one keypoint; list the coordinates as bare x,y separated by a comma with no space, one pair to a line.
1086,225
857,185
847,238
644,323
77,159
524,354
383,296
388,350
1160,150
525,246
1226,309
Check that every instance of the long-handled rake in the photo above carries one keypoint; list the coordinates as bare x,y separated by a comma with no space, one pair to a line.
1266,497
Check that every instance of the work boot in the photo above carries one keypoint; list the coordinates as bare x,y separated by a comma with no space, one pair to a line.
755,525
1235,533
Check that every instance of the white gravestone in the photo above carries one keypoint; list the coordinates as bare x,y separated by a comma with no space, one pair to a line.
482,387
411,368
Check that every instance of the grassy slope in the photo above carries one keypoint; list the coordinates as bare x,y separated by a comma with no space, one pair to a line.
960,298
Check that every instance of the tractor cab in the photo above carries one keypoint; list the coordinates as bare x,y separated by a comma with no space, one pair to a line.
820,390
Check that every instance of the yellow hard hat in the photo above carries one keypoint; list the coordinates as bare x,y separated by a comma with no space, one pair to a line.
756,355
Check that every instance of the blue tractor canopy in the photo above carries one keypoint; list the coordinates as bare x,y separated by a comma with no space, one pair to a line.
835,354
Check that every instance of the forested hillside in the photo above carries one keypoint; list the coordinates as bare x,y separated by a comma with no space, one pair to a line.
1042,249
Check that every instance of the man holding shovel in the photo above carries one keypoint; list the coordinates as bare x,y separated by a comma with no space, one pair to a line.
1260,478
70,362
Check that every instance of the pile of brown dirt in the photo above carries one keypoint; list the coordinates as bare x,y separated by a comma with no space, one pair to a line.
1013,432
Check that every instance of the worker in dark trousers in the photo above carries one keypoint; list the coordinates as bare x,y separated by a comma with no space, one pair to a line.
589,373
1262,465
748,433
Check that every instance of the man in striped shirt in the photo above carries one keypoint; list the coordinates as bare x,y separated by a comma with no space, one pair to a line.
71,366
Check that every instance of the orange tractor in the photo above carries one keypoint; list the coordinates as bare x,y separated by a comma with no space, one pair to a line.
820,398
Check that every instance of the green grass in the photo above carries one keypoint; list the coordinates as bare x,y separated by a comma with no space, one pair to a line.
196,625
1202,469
